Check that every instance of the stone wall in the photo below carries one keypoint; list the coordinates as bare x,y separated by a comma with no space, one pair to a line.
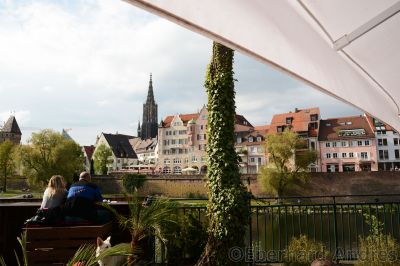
352,183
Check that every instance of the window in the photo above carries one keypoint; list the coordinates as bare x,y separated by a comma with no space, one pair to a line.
258,139
252,160
194,159
344,155
396,141
350,143
382,142
253,149
289,120
280,129
349,168
250,139
366,143
396,154
201,127
334,144
334,155
239,140
344,144
332,168
359,143
177,160
205,136
327,144
259,160
167,161
364,155
328,155
314,117
351,154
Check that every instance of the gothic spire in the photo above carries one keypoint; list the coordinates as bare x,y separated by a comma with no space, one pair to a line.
150,94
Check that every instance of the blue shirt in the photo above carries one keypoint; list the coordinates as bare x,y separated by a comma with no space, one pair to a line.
85,190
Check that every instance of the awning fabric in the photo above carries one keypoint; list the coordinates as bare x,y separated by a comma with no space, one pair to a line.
349,49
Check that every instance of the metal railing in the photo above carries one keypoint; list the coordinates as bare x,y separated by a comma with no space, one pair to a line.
339,222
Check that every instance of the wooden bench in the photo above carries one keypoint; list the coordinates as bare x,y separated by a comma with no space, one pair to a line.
56,245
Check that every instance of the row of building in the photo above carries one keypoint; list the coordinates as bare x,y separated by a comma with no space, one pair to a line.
354,143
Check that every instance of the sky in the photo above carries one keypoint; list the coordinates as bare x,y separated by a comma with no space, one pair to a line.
84,65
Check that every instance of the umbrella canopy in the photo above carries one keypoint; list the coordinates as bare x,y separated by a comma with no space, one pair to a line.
345,48
189,169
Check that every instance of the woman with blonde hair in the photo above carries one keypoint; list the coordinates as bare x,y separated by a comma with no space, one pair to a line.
55,193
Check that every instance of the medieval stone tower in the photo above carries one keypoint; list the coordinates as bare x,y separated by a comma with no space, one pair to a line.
149,127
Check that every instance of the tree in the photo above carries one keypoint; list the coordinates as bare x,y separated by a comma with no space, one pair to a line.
49,153
133,182
101,158
286,164
7,161
228,200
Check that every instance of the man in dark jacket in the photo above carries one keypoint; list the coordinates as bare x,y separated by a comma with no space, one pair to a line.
81,199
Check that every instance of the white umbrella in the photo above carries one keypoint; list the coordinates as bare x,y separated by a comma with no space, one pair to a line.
348,49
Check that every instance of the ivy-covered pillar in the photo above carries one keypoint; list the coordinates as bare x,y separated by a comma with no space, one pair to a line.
228,199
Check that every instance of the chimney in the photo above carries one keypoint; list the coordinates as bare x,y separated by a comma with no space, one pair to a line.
296,110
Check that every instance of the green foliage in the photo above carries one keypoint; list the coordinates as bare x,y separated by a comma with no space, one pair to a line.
49,153
101,159
7,161
377,249
286,165
22,243
133,182
86,254
145,220
185,240
227,208
302,251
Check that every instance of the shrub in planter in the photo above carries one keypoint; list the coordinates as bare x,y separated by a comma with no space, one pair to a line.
133,182
302,251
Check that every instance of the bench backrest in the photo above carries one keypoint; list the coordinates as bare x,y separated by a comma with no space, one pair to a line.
50,245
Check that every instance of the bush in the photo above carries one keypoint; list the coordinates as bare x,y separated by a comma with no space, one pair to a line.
302,251
185,240
133,182
378,250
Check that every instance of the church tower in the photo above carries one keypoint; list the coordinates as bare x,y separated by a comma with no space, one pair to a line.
149,127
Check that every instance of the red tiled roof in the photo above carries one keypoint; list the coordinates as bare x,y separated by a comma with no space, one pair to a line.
184,117
262,128
330,128
371,120
301,119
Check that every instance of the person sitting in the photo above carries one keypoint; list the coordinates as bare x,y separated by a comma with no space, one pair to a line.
80,205
55,193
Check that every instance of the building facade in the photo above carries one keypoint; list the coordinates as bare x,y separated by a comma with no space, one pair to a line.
387,144
149,127
347,144
182,141
123,156
304,122
11,131
250,148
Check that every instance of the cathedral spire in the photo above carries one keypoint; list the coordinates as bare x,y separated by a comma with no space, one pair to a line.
150,94
149,127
